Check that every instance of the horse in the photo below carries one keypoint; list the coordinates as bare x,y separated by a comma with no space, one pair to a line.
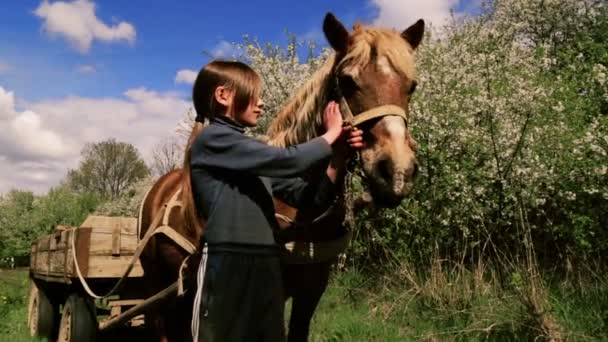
372,73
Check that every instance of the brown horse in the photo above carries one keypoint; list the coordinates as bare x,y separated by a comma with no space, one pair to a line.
372,74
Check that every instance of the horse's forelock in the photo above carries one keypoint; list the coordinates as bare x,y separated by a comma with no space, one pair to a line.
368,43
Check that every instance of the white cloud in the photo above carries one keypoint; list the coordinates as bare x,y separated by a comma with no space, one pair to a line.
86,69
400,14
24,133
76,22
186,76
40,143
224,49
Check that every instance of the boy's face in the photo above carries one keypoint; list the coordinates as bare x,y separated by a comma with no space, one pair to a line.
251,115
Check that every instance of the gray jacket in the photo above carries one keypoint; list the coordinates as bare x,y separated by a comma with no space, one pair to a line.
235,176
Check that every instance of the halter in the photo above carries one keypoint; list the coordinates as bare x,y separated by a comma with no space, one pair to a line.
346,199
370,114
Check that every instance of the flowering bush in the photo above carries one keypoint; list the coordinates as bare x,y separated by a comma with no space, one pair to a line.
511,120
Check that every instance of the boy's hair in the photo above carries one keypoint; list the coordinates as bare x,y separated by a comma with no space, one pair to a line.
237,76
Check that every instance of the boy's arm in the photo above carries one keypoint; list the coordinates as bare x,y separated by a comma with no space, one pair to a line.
225,149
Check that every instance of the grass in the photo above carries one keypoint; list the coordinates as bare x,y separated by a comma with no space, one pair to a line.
440,304
459,304
14,286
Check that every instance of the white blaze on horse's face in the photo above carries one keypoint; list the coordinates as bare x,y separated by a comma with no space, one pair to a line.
389,161
385,67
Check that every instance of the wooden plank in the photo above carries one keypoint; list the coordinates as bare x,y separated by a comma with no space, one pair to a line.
51,278
42,262
64,242
102,251
33,254
101,243
56,261
127,224
115,311
107,266
144,307
137,321
125,302
43,243
83,242
116,241
52,243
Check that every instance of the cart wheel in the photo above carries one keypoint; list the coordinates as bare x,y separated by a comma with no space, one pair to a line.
42,314
78,320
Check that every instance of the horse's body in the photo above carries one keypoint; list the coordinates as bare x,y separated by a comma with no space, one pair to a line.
372,68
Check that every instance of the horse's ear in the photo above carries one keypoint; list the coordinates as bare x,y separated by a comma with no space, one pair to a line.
414,33
335,32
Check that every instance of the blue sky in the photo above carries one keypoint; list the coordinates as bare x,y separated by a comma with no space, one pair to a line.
169,36
77,71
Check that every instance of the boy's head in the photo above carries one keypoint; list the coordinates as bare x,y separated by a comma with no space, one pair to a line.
228,88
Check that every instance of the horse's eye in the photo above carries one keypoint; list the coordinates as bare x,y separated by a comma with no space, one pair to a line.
348,84
412,88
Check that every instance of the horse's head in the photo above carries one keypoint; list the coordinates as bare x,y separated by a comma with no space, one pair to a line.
374,74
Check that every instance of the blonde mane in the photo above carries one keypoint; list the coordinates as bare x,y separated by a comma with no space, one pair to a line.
301,117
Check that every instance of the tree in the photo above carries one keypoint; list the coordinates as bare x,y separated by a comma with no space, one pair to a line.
108,168
25,217
168,155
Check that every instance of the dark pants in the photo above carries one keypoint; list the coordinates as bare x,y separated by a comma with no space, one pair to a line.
242,299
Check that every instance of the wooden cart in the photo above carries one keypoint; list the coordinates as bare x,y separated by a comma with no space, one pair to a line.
60,304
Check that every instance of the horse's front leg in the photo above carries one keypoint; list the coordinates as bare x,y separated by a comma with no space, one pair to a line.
305,284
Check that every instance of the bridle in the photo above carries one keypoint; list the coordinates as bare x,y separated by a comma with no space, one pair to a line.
368,115
346,198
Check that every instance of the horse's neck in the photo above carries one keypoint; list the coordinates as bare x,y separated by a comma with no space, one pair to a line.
301,119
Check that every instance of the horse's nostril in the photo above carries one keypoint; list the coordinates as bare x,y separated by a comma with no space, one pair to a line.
385,169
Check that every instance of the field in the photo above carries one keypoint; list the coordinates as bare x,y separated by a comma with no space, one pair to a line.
401,307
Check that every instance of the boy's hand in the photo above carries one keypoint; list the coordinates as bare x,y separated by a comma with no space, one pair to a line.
355,138
350,139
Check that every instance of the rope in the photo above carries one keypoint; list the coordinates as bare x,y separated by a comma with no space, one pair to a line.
138,251
180,276
152,230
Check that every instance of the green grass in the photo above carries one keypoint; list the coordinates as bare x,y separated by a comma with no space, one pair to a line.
459,306
14,286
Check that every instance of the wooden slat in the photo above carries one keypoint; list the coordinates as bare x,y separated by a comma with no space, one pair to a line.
83,243
102,251
56,261
116,242
107,266
52,278
101,243
42,262
43,244
127,224
115,311
125,302
135,311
